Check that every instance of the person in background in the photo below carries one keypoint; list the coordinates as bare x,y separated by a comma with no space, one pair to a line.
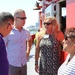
36,35
18,44
68,67
6,24
48,47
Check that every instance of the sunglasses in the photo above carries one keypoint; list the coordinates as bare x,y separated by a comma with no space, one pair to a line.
22,18
47,23
66,37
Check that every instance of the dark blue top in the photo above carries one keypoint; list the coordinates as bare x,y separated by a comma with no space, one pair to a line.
4,65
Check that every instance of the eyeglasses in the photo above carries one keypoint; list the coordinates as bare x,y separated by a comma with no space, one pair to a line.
47,23
66,37
22,18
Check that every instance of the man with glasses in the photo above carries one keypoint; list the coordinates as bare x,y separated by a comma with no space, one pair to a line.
6,22
18,44
68,67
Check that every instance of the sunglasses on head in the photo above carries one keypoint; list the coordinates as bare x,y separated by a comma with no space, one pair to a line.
66,37
22,18
47,23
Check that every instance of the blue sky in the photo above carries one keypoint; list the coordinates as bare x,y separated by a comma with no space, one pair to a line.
27,5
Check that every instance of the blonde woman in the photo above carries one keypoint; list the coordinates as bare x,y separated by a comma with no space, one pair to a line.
49,49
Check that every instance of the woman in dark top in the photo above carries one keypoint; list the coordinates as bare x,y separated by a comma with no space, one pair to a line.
6,22
49,49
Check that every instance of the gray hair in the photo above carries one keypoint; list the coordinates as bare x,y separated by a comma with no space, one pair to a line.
16,13
5,17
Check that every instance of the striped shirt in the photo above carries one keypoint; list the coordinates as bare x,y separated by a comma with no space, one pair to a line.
67,68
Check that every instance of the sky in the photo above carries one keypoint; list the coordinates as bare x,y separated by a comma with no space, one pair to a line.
27,5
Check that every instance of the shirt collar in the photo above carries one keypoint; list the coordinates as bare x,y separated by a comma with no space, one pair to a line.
17,29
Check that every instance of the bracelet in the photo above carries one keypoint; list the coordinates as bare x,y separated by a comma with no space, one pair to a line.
36,62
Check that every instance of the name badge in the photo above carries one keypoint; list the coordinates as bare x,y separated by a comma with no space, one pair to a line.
46,36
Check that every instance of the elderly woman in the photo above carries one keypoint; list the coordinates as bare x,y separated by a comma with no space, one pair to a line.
68,67
49,49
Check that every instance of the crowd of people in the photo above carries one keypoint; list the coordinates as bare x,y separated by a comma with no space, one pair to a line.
16,42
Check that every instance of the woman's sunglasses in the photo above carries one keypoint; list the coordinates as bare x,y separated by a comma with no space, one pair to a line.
47,23
66,37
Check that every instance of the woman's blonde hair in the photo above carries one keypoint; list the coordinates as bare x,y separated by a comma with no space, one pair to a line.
54,22
52,19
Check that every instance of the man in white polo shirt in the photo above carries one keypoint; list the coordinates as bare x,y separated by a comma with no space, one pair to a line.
18,44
